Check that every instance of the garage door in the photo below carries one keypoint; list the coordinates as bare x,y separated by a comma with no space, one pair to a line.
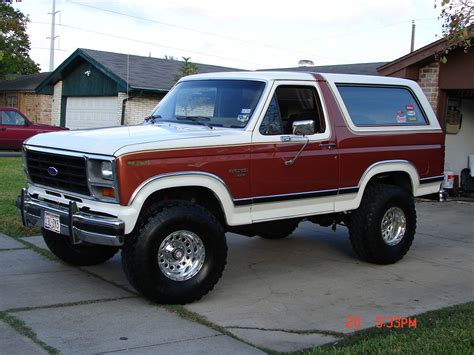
91,112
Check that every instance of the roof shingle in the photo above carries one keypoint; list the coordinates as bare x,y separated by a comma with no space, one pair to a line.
358,68
25,83
146,72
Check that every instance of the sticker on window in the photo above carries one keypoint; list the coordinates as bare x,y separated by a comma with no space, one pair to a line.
401,118
243,118
246,110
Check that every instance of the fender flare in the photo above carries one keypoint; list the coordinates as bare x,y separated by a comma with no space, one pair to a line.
233,215
387,166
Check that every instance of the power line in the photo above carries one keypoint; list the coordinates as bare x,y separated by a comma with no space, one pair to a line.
195,30
151,43
56,49
371,29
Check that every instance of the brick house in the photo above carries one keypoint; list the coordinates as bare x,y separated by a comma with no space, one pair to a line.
20,93
98,89
450,90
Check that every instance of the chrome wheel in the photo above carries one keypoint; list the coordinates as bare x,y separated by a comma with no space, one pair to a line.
181,255
393,226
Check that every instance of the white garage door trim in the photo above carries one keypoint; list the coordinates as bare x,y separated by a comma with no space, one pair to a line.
92,112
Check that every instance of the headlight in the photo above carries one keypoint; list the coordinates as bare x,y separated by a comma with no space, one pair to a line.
106,170
102,182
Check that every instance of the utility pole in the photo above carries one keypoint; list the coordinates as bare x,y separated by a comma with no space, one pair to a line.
413,26
53,37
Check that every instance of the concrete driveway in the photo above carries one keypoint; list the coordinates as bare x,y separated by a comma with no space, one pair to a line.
282,295
9,154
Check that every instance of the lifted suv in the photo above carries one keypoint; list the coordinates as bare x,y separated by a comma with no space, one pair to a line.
250,152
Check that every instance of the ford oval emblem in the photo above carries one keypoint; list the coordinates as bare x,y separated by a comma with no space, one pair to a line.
52,171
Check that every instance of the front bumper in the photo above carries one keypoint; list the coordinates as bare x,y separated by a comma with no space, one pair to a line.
77,225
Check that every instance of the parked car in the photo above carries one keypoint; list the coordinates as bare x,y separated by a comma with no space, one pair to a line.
15,128
252,153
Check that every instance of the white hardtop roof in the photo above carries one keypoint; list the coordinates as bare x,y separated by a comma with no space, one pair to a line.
288,75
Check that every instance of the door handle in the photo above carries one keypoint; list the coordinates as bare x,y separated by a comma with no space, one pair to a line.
3,129
328,145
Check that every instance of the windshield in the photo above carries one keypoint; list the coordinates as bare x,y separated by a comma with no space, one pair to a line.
215,103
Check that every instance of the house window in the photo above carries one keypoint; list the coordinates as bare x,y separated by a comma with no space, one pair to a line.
12,101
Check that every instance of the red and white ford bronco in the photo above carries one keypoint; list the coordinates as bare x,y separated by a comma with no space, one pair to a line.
250,152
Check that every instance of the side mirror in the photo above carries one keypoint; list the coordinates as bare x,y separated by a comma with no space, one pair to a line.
303,128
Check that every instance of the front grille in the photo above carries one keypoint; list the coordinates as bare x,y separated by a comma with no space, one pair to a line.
71,171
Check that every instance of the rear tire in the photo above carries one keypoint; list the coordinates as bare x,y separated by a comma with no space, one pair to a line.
382,229
83,254
177,255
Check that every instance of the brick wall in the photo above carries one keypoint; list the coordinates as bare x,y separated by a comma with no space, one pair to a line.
429,83
56,105
140,107
37,107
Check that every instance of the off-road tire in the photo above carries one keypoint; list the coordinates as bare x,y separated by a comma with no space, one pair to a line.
83,254
276,229
365,224
140,253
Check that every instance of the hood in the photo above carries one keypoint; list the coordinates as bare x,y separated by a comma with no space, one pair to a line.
107,141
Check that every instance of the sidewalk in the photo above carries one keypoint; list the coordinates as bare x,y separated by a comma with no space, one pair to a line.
48,306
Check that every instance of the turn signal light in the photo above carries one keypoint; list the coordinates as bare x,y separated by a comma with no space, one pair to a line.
108,192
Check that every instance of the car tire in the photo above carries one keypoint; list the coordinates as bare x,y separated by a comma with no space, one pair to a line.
176,255
83,254
382,229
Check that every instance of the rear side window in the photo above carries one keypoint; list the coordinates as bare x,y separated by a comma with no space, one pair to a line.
381,106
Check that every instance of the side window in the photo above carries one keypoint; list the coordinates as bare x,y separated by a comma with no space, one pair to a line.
290,104
11,118
381,106
272,123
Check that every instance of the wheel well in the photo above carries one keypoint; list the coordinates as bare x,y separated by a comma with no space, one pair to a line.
398,178
196,194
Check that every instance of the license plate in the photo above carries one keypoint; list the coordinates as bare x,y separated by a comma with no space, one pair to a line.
51,222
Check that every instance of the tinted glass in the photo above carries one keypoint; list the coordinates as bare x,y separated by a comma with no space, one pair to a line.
11,118
222,103
290,104
381,106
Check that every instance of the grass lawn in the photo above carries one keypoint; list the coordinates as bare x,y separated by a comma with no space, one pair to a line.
446,331
12,179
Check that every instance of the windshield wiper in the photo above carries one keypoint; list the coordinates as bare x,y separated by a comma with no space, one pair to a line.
152,118
202,120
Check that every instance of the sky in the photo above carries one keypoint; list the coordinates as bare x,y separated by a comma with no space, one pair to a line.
244,34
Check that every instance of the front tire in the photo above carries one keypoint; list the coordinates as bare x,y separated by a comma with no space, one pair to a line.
83,254
382,229
177,255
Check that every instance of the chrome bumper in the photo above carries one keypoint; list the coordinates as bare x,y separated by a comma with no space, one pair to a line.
78,226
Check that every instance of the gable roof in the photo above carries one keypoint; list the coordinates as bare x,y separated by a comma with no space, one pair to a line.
421,56
144,73
358,68
23,83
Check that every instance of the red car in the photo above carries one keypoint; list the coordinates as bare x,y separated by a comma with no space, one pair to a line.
15,128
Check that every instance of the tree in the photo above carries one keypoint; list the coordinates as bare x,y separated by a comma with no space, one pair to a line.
169,57
187,68
458,25
14,43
